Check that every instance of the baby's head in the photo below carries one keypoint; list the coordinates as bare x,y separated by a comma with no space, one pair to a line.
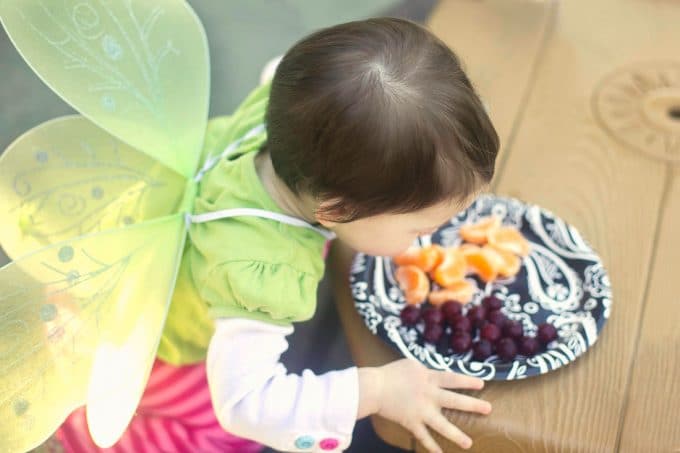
378,123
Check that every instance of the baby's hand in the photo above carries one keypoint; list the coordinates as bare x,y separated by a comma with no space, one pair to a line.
413,396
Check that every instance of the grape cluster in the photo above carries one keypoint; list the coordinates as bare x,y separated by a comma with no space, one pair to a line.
454,328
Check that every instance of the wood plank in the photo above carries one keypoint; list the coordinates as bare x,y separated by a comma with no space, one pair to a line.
498,42
651,422
564,159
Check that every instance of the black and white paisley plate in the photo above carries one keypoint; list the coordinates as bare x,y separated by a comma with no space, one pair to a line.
562,282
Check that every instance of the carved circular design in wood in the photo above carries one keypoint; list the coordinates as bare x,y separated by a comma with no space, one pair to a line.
639,107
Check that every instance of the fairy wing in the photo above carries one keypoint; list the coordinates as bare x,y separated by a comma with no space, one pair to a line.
80,322
67,177
139,70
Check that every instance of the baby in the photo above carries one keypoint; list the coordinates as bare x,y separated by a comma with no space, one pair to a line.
373,132
370,132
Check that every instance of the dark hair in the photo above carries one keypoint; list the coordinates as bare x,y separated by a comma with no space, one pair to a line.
377,116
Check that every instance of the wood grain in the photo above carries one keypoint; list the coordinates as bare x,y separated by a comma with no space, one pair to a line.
498,43
651,419
563,160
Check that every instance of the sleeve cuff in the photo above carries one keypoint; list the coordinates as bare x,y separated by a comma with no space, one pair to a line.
333,433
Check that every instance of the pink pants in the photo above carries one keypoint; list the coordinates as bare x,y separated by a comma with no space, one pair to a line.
175,415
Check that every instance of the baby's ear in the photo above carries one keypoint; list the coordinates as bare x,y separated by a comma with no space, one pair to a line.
333,211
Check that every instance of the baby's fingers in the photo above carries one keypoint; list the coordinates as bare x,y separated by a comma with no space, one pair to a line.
450,380
453,400
440,424
423,436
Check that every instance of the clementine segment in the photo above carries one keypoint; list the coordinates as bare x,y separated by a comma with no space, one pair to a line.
426,258
413,282
495,258
451,269
477,233
408,258
509,239
437,252
483,263
460,291
468,248
510,263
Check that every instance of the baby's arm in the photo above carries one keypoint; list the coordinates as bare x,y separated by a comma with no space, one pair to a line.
254,397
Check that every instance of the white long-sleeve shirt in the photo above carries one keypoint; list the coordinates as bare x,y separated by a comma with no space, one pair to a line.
255,397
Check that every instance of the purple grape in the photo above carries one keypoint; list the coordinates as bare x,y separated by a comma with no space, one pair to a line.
476,315
433,333
461,342
410,315
496,317
490,332
432,316
492,303
481,350
546,333
513,329
461,324
451,310
528,346
506,349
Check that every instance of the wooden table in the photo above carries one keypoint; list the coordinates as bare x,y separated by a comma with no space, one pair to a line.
584,95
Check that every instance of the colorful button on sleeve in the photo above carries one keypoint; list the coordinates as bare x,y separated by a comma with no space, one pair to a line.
304,442
329,444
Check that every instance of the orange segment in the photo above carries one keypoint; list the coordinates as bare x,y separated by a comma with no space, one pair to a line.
509,262
426,258
509,239
435,254
408,258
477,233
451,269
484,263
495,258
461,291
413,282
468,248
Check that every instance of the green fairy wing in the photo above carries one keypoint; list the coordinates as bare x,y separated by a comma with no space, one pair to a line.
93,200
67,177
138,69
80,322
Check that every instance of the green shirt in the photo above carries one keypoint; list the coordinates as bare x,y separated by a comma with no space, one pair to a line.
245,267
